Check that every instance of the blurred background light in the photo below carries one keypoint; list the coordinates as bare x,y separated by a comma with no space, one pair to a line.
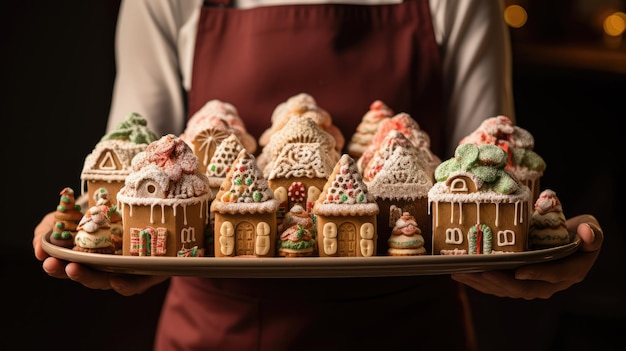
615,24
515,16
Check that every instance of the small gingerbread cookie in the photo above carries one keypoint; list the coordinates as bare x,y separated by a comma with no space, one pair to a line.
547,223
94,233
67,216
297,234
406,238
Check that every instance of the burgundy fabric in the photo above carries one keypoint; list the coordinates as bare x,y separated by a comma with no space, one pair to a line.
254,59
394,313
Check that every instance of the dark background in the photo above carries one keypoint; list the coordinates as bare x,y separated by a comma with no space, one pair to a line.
58,69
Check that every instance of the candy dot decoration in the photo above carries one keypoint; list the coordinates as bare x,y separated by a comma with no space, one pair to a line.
346,214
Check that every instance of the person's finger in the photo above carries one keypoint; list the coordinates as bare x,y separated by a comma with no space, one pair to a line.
504,284
588,229
54,267
88,277
124,284
591,236
42,229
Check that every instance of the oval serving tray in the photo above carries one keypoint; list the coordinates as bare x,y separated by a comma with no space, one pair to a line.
308,267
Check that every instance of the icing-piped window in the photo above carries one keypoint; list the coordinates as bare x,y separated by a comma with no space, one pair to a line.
459,186
506,238
454,236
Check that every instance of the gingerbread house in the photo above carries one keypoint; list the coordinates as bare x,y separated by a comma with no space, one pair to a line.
477,207
245,212
346,214
107,166
165,202
301,160
399,179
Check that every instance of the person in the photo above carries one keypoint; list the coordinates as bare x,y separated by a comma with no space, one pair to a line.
446,63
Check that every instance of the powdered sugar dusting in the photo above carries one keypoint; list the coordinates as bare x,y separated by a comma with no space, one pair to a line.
299,131
516,141
405,124
398,170
167,169
224,156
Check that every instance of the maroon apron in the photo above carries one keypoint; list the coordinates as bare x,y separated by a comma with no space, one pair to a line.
345,56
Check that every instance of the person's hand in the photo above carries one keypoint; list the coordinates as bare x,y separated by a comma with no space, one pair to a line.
542,280
124,284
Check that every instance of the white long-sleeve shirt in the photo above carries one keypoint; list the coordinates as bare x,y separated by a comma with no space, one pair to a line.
155,43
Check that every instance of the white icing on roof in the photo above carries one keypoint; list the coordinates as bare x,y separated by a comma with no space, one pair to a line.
301,160
301,130
167,169
398,170
124,150
225,154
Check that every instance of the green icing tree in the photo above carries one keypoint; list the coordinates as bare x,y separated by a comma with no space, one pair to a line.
134,129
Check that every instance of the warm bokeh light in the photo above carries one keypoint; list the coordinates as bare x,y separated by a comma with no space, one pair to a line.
615,24
515,16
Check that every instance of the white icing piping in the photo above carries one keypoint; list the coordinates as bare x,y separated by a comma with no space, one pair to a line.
452,211
497,214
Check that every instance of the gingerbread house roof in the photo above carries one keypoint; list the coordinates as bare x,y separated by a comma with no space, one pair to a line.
301,131
298,106
405,124
110,160
167,173
301,160
476,174
345,193
214,122
225,154
516,141
111,157
244,190
398,171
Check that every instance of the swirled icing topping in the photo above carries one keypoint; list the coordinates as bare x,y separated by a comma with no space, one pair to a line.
170,163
